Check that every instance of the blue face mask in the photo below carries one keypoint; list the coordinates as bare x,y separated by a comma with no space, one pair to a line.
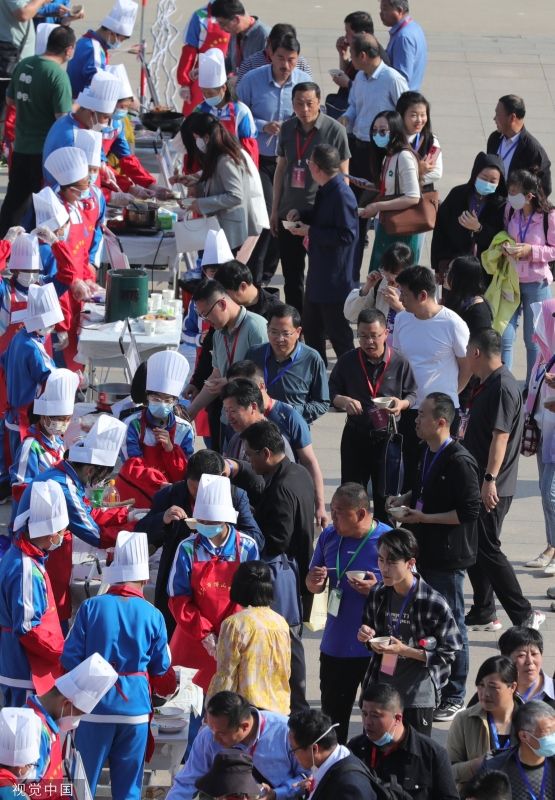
120,113
484,187
381,139
210,531
114,45
546,747
213,101
385,739
160,410
85,195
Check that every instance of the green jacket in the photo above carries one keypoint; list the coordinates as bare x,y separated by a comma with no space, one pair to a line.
503,293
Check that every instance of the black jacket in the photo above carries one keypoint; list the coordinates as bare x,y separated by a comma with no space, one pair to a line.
451,483
169,537
528,154
345,780
420,764
450,239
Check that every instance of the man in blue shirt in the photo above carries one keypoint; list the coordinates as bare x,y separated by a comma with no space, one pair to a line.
407,48
292,371
232,722
346,554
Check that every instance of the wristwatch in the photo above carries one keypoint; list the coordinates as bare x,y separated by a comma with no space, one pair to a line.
489,478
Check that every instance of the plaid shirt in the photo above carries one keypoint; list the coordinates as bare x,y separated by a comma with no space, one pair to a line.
430,615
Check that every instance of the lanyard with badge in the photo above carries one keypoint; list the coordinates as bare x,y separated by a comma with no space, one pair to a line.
427,469
504,156
465,416
280,372
235,338
389,660
526,782
334,600
298,173
494,736
523,231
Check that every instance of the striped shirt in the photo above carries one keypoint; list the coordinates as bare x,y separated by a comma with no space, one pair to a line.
260,59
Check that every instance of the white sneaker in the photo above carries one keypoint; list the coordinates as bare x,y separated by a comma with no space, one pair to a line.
540,561
550,569
535,619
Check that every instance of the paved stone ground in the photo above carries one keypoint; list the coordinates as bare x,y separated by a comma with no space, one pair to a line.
478,52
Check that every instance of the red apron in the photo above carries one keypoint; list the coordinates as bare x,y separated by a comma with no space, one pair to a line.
215,37
58,566
7,778
5,339
210,585
78,242
54,773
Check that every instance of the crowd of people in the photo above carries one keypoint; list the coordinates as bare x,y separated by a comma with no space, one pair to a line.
435,423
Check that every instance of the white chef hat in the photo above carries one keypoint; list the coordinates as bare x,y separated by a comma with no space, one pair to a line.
25,253
47,512
90,142
130,559
49,211
211,69
43,307
119,71
102,443
42,34
121,19
102,94
67,165
213,500
58,396
87,683
216,249
166,371
20,735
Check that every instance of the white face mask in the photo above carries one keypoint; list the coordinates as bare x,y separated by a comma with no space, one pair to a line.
54,545
66,724
55,427
45,331
27,278
517,201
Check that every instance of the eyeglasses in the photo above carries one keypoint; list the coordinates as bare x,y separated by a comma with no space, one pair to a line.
211,309
280,334
368,337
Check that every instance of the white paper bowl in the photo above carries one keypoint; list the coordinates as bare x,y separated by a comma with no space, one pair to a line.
382,402
288,224
356,574
399,512
335,73
380,640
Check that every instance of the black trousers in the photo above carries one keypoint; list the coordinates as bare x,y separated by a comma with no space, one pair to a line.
264,258
323,321
493,573
360,452
420,718
340,679
359,166
25,178
293,262
297,681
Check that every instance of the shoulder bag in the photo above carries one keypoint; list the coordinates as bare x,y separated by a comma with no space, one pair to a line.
414,219
10,55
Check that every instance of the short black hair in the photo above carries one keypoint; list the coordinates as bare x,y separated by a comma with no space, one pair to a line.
418,279
501,665
245,369
59,40
308,725
232,274
244,392
288,42
207,289
513,104
284,310
230,705
279,30
494,785
264,434
360,22
327,157
252,584
370,315
383,694
365,43
519,636
487,341
204,462
227,9
396,257
443,406
400,543
307,86
466,279
354,494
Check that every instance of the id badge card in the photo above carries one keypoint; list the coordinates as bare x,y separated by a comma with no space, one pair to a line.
298,178
334,601
389,663
463,424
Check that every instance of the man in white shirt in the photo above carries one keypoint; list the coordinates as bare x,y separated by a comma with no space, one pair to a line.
433,339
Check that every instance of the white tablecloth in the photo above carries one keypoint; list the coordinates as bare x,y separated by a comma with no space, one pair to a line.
159,250
100,342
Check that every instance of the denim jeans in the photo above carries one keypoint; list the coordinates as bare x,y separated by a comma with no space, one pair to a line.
529,293
450,583
547,493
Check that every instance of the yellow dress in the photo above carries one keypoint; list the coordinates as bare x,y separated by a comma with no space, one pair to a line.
254,658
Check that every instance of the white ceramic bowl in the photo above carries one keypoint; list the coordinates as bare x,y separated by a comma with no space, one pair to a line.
356,574
171,725
399,512
170,711
380,640
382,402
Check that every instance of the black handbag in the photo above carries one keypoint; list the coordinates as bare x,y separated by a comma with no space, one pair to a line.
11,53
391,473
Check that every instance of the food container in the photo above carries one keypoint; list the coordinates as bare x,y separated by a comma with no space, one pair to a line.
167,296
356,574
380,640
399,512
155,301
165,324
140,215
165,120
149,327
382,402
